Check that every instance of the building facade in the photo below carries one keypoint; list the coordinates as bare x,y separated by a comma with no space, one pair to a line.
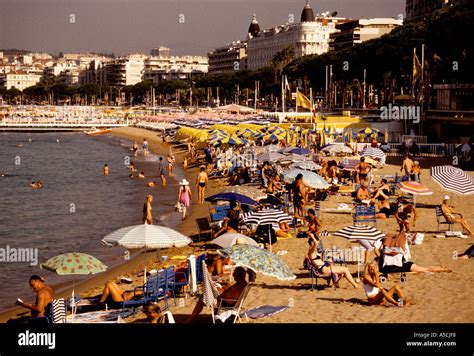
229,58
19,79
354,32
309,36
125,71
161,68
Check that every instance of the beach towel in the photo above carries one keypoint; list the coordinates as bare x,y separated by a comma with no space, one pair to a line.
111,316
264,311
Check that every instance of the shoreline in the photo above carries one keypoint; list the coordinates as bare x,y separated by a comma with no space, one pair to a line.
94,284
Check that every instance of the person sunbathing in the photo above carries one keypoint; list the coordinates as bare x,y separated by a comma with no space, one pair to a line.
314,224
228,295
384,209
450,215
282,230
469,253
229,224
44,295
363,195
382,192
376,294
112,294
326,268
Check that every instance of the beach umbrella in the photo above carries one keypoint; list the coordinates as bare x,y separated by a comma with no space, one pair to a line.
335,149
273,137
349,164
267,217
360,232
294,158
210,291
453,179
259,261
272,148
306,165
147,237
74,263
373,152
286,149
269,156
249,191
242,199
229,239
368,131
414,188
234,141
300,151
311,179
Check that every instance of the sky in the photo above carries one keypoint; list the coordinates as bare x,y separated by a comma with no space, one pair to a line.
187,27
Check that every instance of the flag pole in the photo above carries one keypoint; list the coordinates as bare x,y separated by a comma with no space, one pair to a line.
413,74
422,76
311,100
297,92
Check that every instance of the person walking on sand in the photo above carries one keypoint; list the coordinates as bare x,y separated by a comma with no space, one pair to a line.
161,171
185,164
106,170
147,215
135,149
376,294
407,166
184,196
44,295
145,147
201,182
170,159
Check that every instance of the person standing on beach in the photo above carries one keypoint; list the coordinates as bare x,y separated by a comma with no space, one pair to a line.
299,196
161,171
201,182
170,159
135,149
407,165
145,147
106,170
147,216
184,196
44,295
185,164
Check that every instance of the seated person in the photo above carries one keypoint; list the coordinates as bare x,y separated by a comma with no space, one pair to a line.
282,230
44,296
363,195
332,174
326,268
275,185
450,215
153,314
376,294
469,253
403,214
384,209
230,293
383,191
314,224
229,224
395,249
114,296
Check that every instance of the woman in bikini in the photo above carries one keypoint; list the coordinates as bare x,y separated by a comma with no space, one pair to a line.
326,268
376,295
201,182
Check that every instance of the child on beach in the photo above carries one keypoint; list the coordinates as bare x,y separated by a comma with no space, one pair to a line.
135,149
185,164
170,159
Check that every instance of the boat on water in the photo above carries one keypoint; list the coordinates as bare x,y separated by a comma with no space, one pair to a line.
94,131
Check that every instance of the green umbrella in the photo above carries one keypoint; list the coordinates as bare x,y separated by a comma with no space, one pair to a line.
74,263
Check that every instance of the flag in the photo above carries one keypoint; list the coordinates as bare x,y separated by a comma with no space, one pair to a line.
303,101
287,85
416,65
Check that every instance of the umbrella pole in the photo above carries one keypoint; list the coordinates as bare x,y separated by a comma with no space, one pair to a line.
270,236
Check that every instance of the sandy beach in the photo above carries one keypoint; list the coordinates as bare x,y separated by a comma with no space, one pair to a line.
439,297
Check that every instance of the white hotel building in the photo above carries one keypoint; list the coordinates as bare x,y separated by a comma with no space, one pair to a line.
309,36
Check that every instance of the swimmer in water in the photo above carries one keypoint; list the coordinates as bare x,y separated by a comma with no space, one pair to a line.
40,184
106,170
131,167
151,184
33,185
57,140
135,149
141,174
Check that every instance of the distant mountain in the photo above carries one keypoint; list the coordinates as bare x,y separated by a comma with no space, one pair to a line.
14,51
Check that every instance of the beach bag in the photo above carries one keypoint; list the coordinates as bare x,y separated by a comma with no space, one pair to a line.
178,207
418,238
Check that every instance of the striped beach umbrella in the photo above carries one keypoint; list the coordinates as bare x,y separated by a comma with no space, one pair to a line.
453,179
267,216
373,152
335,149
210,291
306,165
414,188
360,232
269,156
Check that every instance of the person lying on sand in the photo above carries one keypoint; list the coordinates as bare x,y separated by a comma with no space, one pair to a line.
376,294
469,253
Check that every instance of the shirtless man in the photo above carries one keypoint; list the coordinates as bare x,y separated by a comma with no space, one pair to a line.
228,296
135,149
407,165
450,215
44,295
362,169
402,217
147,216
363,194
299,196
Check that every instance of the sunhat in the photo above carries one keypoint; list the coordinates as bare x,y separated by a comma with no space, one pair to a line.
446,197
184,182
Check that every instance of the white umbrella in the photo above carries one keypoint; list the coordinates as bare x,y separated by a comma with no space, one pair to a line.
146,236
306,165
311,179
229,239
335,149
270,156
453,179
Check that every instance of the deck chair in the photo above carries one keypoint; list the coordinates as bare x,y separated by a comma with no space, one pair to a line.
223,313
365,214
439,215
204,227
315,274
55,313
391,262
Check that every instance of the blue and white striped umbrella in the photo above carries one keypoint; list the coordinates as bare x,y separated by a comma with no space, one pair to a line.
453,179
360,232
373,152
311,179
267,216
146,236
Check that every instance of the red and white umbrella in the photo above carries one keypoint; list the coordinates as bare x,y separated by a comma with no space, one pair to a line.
414,188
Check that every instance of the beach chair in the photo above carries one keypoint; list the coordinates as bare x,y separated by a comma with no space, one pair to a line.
439,215
55,313
172,284
222,313
204,227
388,263
315,274
365,214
